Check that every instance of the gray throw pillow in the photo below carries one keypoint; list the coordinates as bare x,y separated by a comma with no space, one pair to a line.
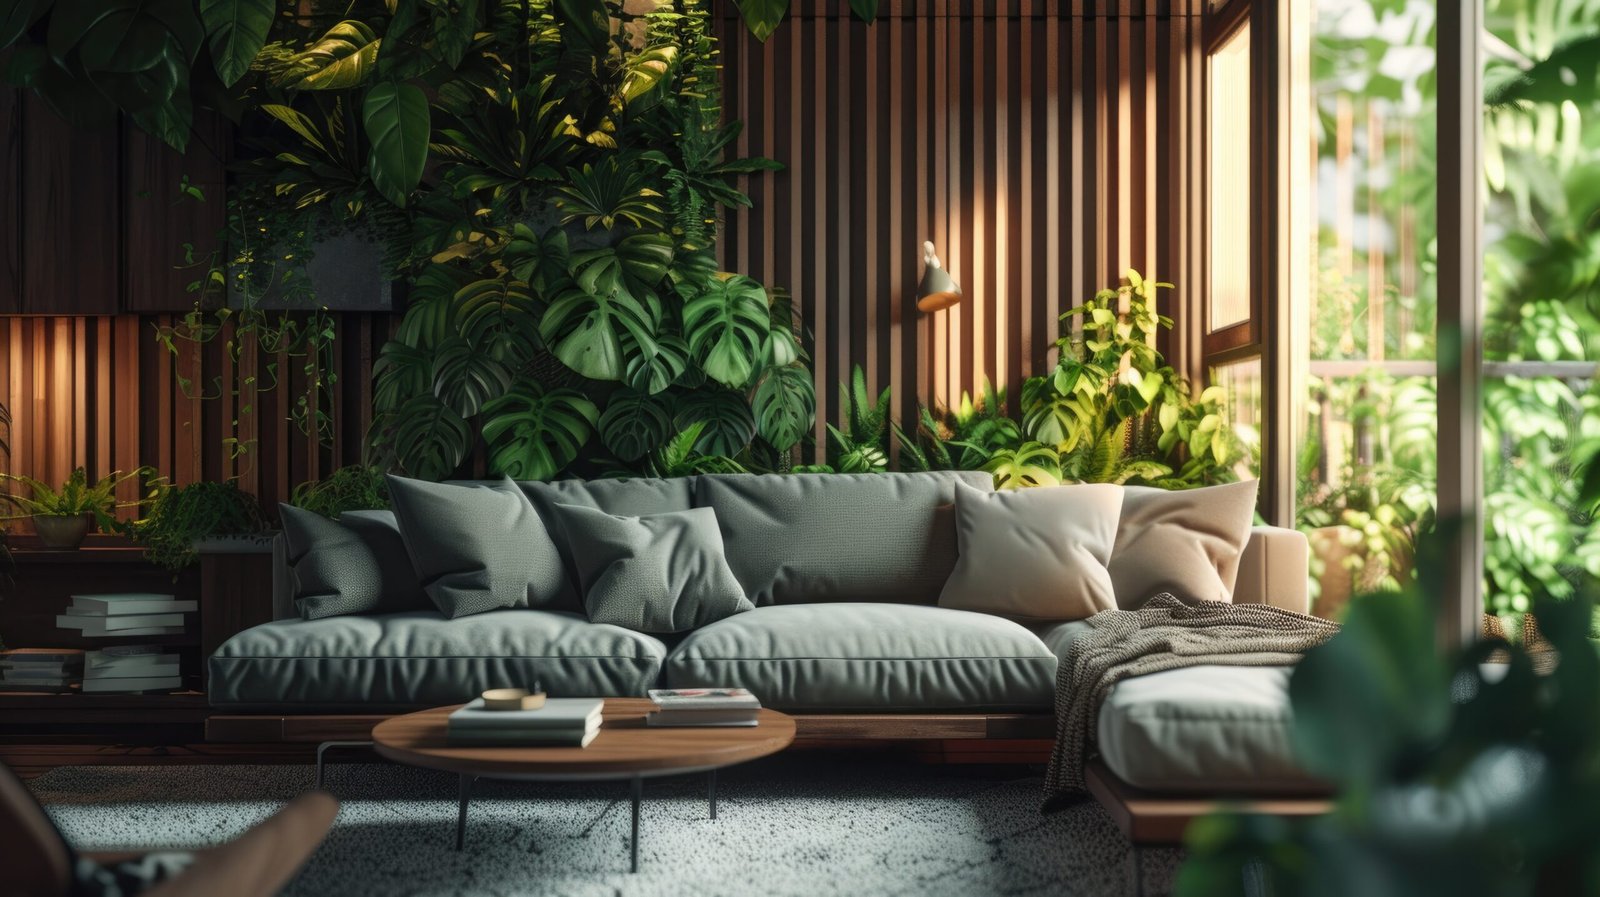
354,565
1034,554
1187,542
655,573
477,548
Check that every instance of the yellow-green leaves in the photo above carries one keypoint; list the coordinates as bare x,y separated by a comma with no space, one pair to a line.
344,57
398,125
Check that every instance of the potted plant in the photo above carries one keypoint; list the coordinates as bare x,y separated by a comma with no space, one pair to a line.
357,487
184,520
63,517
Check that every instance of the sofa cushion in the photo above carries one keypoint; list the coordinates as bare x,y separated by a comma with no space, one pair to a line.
477,548
1034,554
651,573
869,657
803,538
624,497
1187,542
421,659
354,565
1213,729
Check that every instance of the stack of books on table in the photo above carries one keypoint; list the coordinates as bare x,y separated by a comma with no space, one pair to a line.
134,614
703,707
130,669
561,722
44,670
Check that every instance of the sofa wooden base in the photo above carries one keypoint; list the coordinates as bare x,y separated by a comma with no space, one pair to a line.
1150,818
316,728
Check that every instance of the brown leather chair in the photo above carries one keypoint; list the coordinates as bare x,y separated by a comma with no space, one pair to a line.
256,864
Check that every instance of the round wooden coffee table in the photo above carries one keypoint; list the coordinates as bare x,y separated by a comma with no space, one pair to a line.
626,748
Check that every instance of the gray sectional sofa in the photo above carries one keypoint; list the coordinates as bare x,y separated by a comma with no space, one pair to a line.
845,571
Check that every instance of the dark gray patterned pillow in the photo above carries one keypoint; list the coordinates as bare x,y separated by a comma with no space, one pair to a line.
477,548
354,565
655,573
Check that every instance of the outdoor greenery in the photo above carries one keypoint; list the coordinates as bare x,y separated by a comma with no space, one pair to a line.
1450,780
1542,170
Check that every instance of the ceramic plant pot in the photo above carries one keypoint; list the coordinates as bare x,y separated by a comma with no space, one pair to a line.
63,532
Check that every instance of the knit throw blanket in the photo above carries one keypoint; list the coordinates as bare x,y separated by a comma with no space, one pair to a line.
1168,633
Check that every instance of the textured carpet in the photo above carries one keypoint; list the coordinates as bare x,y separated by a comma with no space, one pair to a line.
811,825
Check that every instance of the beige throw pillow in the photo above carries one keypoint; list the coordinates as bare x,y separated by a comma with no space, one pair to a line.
1187,542
1034,554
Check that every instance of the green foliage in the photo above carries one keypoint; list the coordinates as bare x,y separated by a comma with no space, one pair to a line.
179,516
78,497
763,17
1451,779
356,487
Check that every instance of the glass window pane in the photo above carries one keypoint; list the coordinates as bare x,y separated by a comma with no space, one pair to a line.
1229,129
1368,456
1241,382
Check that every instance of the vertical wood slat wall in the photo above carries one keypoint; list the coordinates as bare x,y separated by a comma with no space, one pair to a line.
101,393
1044,147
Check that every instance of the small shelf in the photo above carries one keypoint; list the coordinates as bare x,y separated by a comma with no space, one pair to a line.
22,700
109,554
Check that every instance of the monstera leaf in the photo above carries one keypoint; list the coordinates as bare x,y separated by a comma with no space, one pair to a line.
727,325
638,264
729,425
586,331
534,434
499,318
401,371
646,70
427,438
464,377
635,424
1054,418
654,371
1031,465
785,406
238,30
398,126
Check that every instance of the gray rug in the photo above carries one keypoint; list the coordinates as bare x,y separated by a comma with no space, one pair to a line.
804,824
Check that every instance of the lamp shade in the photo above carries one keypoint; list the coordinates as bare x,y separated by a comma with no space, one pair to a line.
938,290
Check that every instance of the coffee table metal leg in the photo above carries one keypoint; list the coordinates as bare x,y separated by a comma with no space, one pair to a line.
461,817
711,792
322,750
638,795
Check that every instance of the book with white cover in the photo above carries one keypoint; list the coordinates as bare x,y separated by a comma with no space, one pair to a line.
132,603
71,620
524,737
101,665
557,713
103,632
704,698
136,683
670,719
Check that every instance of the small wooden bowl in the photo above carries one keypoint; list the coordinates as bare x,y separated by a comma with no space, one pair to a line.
512,699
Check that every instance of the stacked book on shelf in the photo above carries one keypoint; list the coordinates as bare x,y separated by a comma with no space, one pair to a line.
120,616
561,722
131,669
43,670
703,707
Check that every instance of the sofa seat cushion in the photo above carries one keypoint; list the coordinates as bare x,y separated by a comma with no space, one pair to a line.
1212,729
421,659
869,658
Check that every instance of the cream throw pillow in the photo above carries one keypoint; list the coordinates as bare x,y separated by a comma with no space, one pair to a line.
1034,554
1187,542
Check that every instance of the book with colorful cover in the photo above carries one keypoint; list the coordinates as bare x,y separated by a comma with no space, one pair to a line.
704,698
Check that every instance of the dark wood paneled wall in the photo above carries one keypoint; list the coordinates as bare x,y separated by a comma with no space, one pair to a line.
1044,147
